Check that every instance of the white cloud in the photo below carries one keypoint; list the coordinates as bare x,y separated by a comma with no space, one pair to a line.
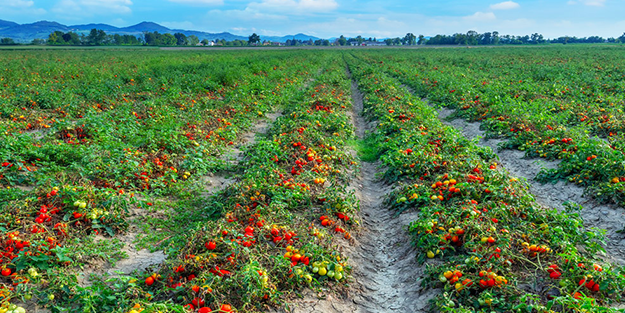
10,9
506,5
481,16
199,2
17,4
245,15
80,8
594,3
294,6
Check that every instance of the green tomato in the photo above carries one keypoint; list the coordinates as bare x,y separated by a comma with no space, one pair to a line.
315,269
331,274
308,278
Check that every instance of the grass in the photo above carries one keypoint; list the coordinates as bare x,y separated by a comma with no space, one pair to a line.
367,148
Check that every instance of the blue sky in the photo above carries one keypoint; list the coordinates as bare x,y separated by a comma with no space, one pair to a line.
331,18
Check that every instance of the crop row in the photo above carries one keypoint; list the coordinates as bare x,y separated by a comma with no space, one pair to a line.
490,246
552,108
79,171
280,218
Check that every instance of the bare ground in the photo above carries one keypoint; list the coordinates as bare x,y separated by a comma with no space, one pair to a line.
143,259
218,181
384,261
385,275
600,216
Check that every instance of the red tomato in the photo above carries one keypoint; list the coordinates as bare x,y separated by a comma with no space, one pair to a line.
148,281
210,245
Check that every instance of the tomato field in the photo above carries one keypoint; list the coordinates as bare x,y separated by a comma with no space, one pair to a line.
247,180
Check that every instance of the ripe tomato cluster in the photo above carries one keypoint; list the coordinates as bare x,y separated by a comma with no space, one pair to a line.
483,232
268,239
486,94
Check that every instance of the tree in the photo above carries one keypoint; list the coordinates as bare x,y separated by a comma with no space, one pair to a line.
410,39
342,41
421,40
621,39
486,38
168,40
96,37
472,37
495,38
181,39
149,38
461,39
56,38
253,39
193,40
72,38
7,41
205,42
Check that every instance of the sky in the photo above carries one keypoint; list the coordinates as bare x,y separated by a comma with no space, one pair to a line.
332,18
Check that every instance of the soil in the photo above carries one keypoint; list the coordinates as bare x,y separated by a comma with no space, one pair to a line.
595,215
143,259
218,181
385,275
384,260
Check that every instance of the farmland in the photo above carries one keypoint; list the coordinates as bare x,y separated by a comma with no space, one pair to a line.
299,180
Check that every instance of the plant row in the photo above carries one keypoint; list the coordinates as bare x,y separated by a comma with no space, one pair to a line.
489,246
277,231
76,176
551,103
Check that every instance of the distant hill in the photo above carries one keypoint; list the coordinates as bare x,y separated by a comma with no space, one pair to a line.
88,27
41,30
302,37
28,32
5,24
146,26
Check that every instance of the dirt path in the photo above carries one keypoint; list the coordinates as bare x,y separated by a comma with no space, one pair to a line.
218,181
385,276
608,217
385,268
142,259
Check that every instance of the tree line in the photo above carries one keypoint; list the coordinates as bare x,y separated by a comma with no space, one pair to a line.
98,37
473,38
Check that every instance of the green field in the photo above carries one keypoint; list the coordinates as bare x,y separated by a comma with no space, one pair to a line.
238,170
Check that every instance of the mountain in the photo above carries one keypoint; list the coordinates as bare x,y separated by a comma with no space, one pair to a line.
146,27
302,37
28,32
88,27
6,24
41,30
